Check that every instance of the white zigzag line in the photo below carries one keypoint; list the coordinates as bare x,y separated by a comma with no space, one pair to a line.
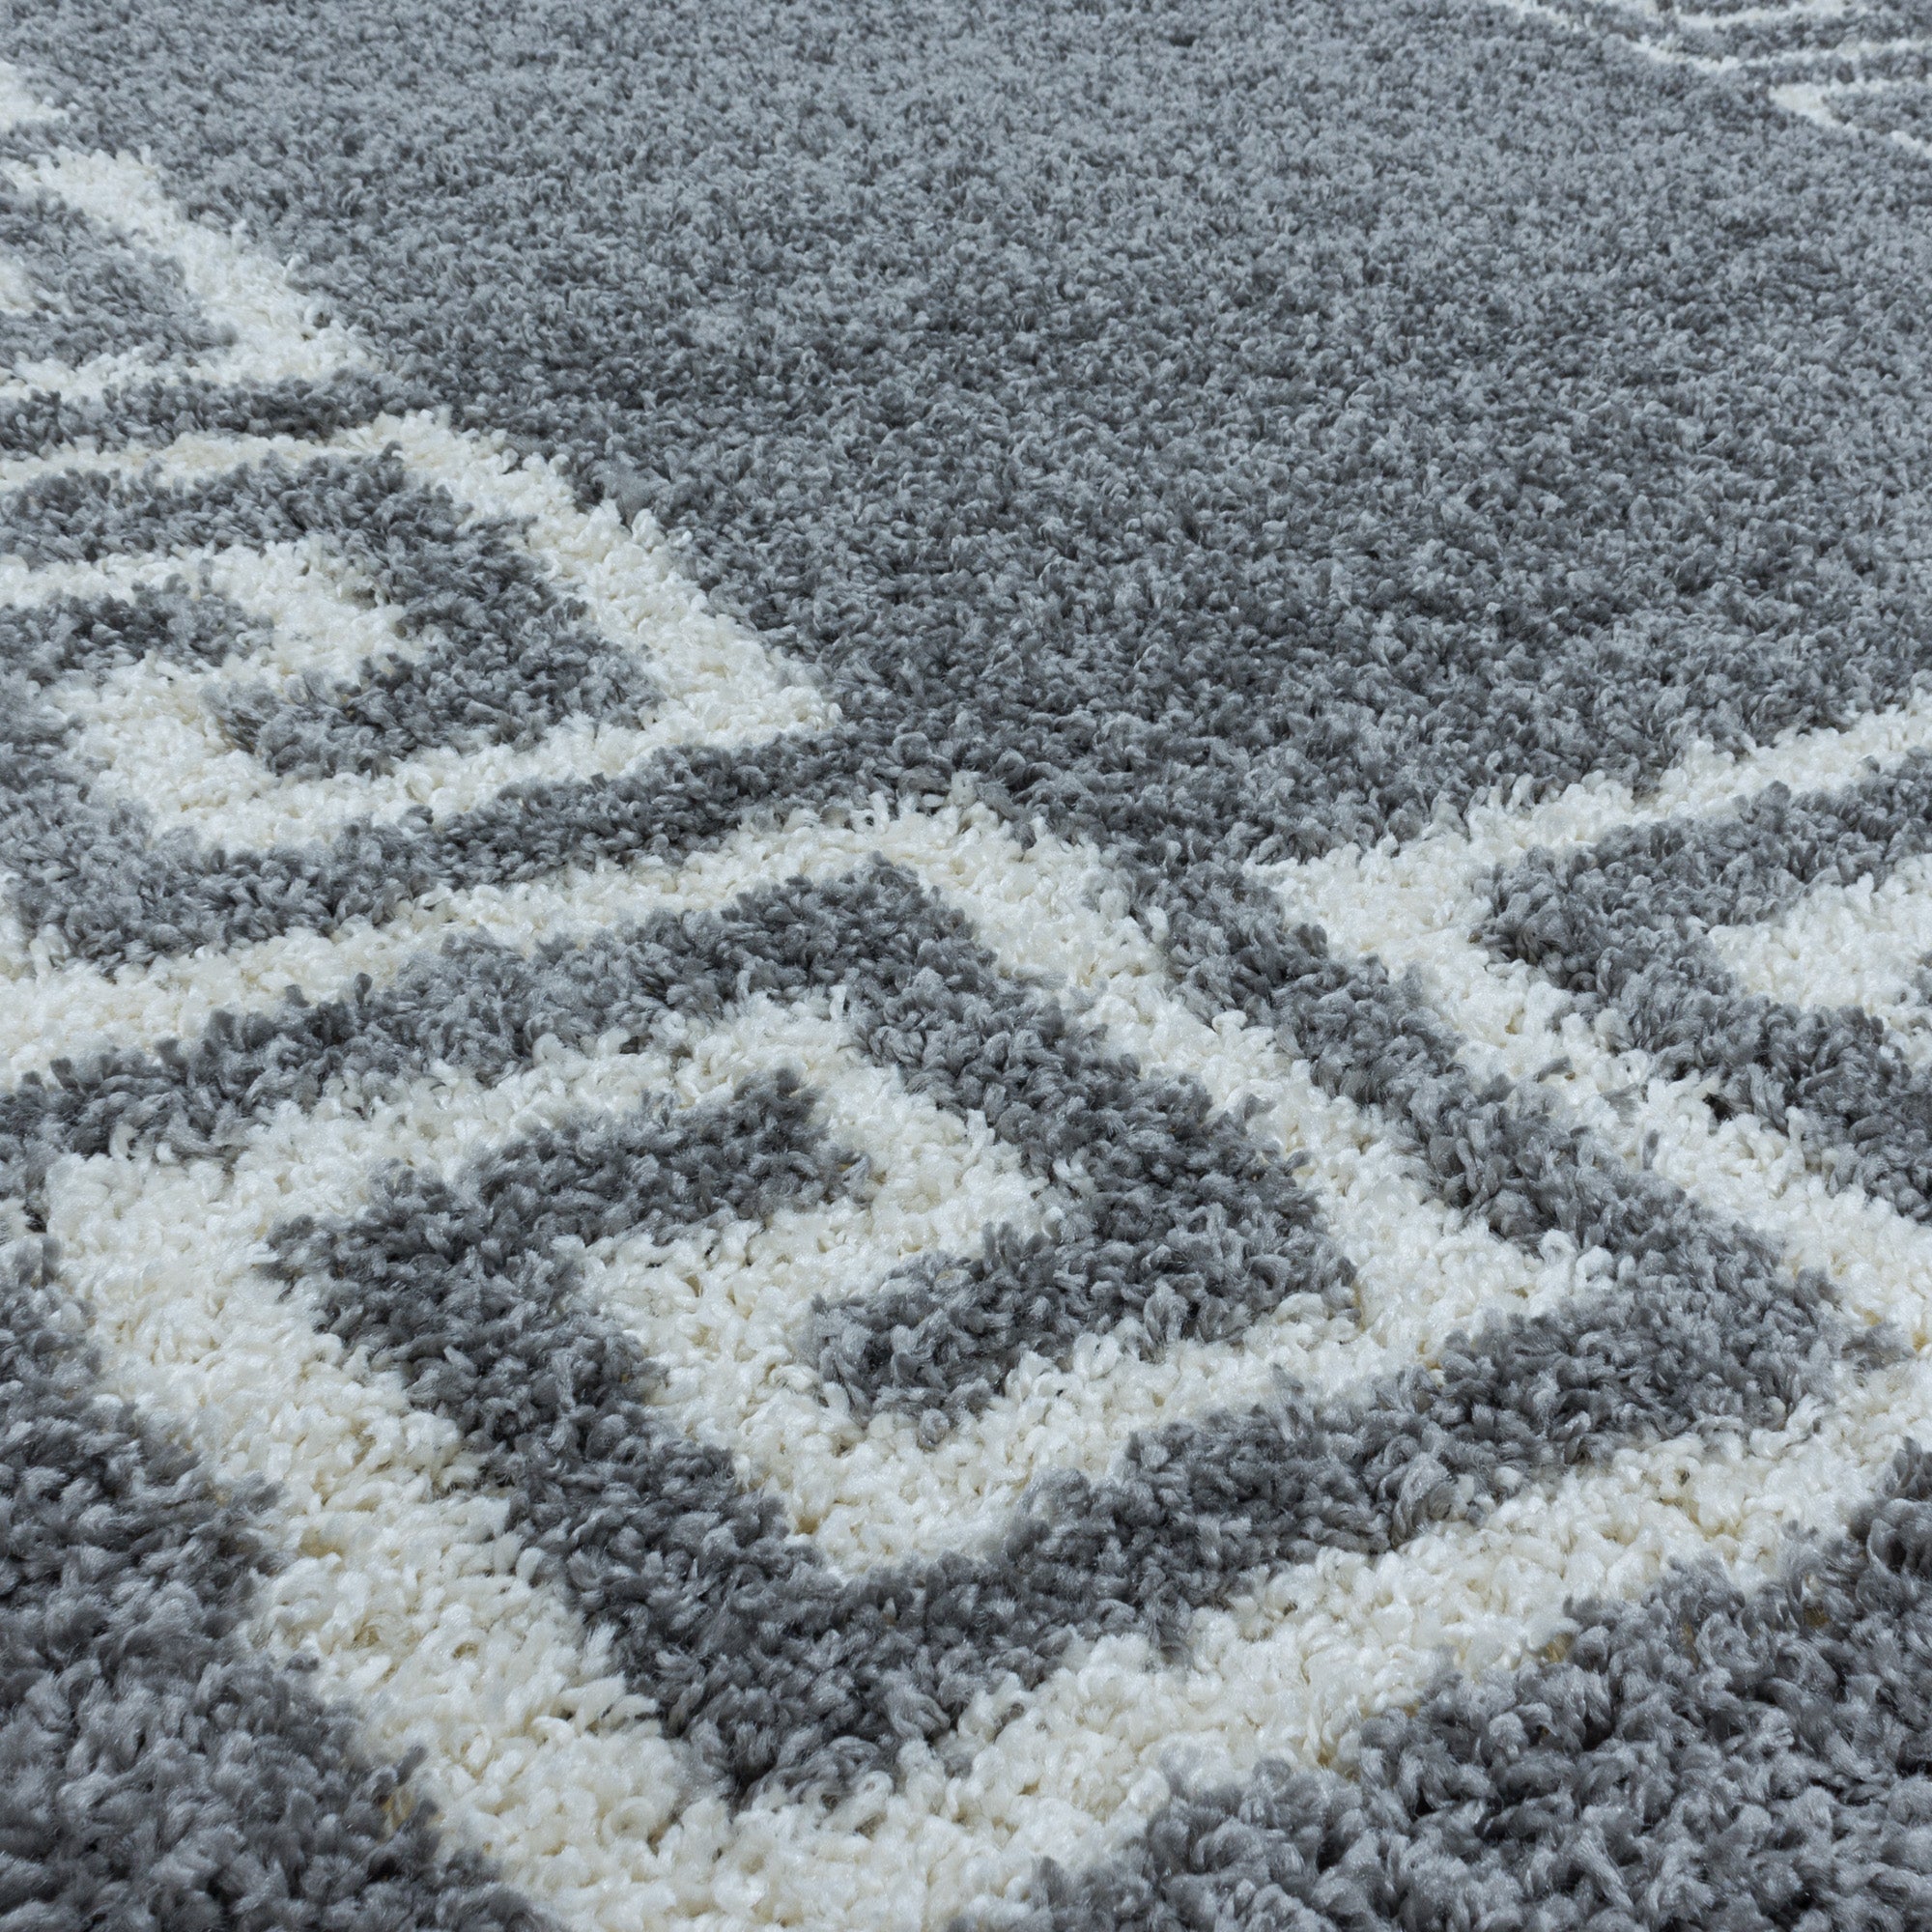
1810,100
277,334
150,726
325,615
1860,945
1419,908
1806,100
626,575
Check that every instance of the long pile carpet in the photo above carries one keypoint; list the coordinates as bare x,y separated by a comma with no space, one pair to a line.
966,964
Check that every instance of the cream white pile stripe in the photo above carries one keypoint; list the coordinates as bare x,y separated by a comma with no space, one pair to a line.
278,331
164,748
1662,43
1805,100
78,1008
1667,51
1664,54
626,575
1419,909
323,613
200,456
1706,782
1774,14
278,334
1879,1261
407,1596
1810,101
113,370
16,288
1860,945
1846,53
19,104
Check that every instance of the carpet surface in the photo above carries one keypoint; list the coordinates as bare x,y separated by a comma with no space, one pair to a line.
966,965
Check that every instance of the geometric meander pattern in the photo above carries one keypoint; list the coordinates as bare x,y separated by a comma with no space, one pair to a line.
786,1348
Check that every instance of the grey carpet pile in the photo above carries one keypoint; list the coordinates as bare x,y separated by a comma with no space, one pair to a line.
966,965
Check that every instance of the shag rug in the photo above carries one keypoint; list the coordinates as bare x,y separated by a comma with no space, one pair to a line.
966,965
